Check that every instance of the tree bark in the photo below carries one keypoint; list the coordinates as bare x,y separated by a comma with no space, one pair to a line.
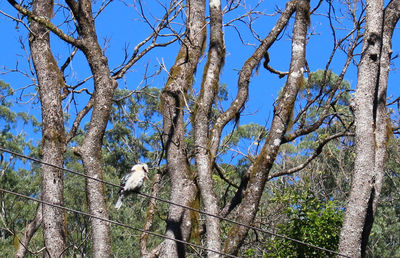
263,163
183,189
361,193
90,150
383,130
371,127
204,161
50,82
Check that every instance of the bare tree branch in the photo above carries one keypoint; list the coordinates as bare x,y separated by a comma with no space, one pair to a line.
45,22
315,154
30,230
244,78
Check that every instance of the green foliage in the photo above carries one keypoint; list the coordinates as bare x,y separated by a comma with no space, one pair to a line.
384,238
5,113
308,220
322,79
15,175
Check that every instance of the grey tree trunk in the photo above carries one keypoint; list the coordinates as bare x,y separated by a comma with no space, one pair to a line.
371,127
90,150
258,172
383,128
204,161
50,82
363,176
183,189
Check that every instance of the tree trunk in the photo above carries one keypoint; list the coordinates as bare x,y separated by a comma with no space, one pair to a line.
204,160
50,83
183,189
90,150
259,170
383,128
362,193
371,127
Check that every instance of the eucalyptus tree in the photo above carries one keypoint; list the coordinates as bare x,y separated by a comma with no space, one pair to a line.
371,126
50,82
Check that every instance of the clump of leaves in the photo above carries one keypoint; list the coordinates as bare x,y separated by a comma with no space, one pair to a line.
309,220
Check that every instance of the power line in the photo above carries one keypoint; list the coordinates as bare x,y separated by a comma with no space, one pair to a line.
61,168
244,225
114,222
179,205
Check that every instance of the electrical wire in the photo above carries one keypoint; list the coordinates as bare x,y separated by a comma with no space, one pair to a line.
114,222
179,205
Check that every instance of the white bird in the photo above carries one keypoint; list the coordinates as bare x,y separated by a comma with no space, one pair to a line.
132,182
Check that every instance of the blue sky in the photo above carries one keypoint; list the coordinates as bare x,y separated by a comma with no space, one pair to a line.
119,26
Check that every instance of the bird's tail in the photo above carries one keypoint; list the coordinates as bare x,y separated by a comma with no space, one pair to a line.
119,202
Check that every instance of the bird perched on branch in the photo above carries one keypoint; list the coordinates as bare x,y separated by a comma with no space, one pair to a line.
132,182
